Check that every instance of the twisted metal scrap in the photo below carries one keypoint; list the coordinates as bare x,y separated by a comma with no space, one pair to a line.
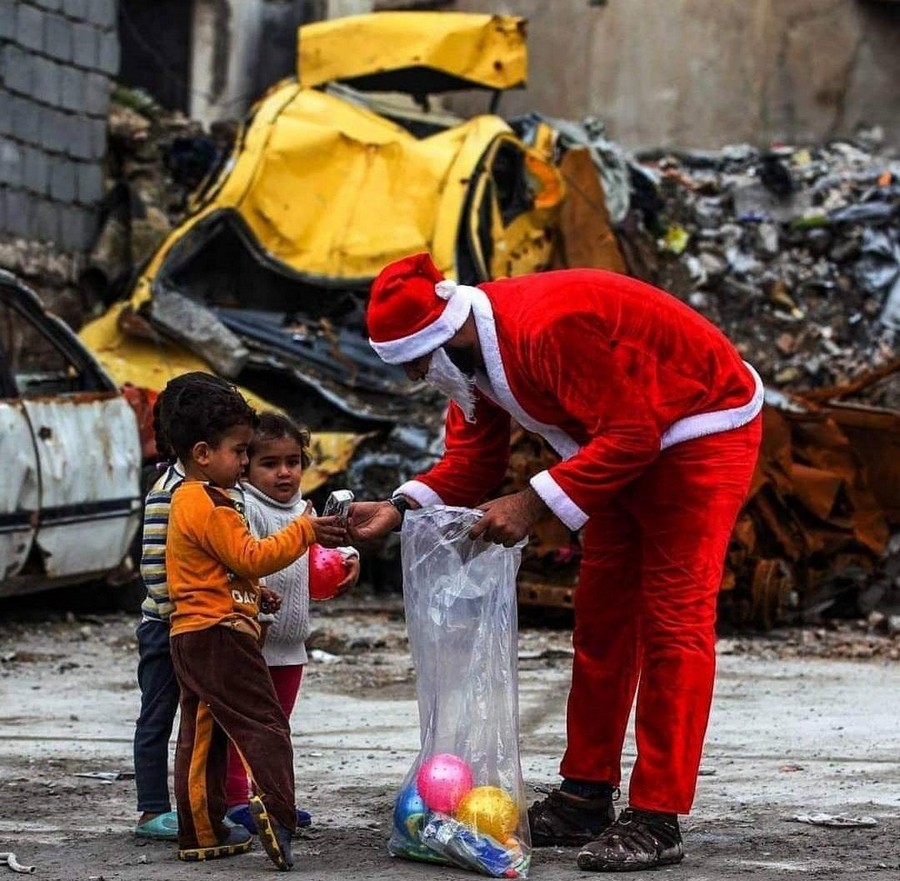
9,859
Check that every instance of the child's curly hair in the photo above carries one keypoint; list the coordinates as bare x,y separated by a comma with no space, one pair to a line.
197,407
274,426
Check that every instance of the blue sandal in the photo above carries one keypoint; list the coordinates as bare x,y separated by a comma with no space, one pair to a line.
163,827
241,815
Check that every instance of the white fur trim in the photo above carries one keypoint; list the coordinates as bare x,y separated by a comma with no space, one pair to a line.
499,389
445,289
433,335
557,501
418,492
703,424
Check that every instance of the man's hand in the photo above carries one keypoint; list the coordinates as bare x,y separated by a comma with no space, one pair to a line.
330,531
509,519
369,520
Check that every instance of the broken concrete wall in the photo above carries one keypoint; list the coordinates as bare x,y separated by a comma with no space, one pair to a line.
704,73
57,58
240,48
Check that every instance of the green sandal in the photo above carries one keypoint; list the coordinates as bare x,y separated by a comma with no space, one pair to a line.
163,827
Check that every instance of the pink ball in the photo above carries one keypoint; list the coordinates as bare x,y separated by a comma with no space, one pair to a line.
327,569
443,780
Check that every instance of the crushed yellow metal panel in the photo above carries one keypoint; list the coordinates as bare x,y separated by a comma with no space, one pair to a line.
468,49
151,364
317,177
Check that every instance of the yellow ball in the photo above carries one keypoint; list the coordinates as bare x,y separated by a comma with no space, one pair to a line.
490,810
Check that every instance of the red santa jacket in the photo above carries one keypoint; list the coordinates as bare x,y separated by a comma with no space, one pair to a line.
609,370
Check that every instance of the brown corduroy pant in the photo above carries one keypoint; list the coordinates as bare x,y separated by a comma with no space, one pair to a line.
227,694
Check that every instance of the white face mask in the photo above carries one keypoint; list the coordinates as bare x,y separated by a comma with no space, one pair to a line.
448,379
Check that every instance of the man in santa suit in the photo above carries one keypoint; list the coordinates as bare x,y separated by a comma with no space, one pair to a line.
656,421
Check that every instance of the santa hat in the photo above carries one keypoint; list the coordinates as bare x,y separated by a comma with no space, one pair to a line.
413,309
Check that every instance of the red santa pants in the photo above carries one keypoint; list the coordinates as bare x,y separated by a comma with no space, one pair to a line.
645,612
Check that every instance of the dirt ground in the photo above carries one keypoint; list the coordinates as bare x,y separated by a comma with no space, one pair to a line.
794,731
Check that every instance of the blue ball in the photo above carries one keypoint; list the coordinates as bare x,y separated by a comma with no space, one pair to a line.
409,812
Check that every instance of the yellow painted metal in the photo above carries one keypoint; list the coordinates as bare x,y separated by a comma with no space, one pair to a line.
330,190
151,365
478,50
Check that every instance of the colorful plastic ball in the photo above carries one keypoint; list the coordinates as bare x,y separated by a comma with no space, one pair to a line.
443,780
489,810
409,812
327,569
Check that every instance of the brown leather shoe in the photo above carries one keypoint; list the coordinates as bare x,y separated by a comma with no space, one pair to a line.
637,840
564,820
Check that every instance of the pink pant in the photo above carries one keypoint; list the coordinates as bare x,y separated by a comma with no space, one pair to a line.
645,612
287,686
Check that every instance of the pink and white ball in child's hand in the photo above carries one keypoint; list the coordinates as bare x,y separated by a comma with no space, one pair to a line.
327,569
443,780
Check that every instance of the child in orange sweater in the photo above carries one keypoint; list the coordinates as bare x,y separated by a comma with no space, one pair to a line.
213,565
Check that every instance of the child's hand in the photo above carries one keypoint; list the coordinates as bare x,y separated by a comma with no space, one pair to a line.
269,601
352,564
330,531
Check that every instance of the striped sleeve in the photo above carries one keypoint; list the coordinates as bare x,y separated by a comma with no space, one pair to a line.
157,505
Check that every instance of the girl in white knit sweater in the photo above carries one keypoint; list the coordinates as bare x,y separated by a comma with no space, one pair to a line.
278,455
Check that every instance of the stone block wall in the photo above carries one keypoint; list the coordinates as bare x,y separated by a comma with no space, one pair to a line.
57,62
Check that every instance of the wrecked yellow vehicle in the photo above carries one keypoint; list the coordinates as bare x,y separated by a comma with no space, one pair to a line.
328,181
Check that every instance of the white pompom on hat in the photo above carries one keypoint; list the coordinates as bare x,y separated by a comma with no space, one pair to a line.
413,309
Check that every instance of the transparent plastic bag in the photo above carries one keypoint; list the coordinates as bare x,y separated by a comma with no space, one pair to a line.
463,801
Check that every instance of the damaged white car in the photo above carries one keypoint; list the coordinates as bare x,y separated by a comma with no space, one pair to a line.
70,483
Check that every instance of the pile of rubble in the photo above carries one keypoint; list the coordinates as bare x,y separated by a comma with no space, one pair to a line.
794,252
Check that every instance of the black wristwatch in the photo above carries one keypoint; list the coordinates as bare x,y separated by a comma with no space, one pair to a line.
401,503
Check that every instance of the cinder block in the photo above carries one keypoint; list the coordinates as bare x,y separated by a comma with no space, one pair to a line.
7,19
96,94
108,53
16,69
98,129
55,129
19,205
84,45
12,163
30,27
62,179
58,37
78,227
79,146
6,112
26,120
102,13
72,90
45,86
75,8
52,5
37,171
89,183
45,220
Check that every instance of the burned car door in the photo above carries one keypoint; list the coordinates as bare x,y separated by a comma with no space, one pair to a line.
85,501
19,477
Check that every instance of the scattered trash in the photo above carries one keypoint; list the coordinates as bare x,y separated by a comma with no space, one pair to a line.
790,769
107,776
9,859
322,657
836,821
